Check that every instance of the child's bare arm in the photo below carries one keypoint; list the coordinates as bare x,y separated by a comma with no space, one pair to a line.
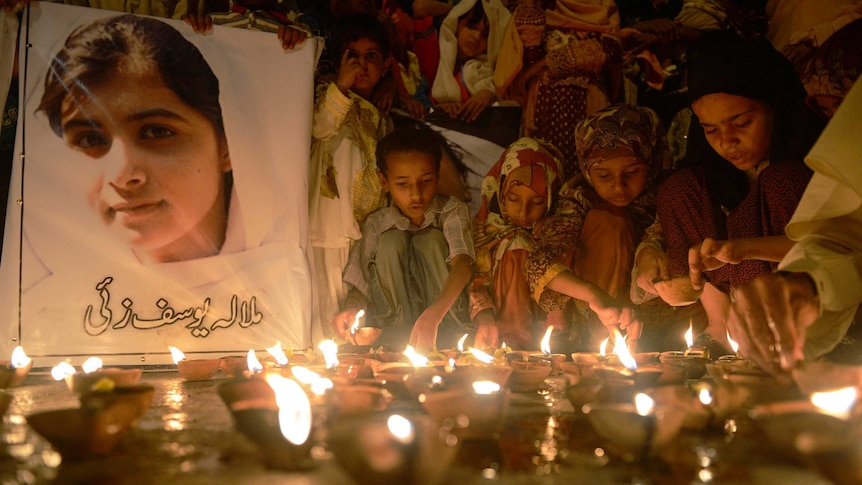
610,311
424,335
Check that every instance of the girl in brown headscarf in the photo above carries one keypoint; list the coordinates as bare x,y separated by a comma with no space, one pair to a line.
517,194
586,250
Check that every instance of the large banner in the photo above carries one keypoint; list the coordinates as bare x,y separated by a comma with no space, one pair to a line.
160,199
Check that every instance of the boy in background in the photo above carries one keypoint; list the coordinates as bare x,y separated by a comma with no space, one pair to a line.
414,260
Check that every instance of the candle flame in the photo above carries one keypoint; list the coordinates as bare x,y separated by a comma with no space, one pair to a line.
486,387
481,356
330,352
400,427
545,345
837,403
91,365
603,347
355,327
644,404
177,354
704,396
622,350
294,408
733,345
19,358
689,336
418,360
319,385
61,370
461,343
254,365
278,353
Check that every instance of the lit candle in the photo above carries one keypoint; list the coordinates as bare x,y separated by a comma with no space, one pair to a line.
20,359
62,370
481,356
194,370
644,404
294,409
418,360
91,365
355,327
838,403
278,354
254,365
330,352
461,343
621,350
545,345
318,384
13,372
689,337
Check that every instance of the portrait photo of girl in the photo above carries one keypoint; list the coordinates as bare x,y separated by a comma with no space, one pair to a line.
158,211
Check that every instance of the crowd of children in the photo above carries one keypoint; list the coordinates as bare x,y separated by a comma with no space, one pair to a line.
584,214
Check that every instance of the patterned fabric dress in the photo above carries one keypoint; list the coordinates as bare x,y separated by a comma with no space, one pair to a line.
499,283
606,134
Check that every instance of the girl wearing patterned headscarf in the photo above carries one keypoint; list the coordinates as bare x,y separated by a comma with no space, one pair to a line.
586,250
517,194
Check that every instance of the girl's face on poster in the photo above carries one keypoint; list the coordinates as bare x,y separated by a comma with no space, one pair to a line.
737,128
619,180
523,205
156,166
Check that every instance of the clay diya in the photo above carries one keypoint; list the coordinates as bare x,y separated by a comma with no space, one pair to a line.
245,393
823,376
694,362
5,401
528,376
96,427
641,377
196,369
693,403
787,423
478,411
283,435
357,399
14,371
390,449
677,291
84,383
635,430
235,365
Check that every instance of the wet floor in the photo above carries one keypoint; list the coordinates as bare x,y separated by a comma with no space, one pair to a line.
188,436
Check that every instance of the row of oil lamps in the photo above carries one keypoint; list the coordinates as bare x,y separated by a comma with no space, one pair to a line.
637,403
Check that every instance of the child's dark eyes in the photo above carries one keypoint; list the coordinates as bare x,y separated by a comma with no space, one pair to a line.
155,132
90,139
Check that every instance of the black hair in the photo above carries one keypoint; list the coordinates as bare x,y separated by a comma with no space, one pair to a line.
94,52
351,28
475,16
410,138
750,68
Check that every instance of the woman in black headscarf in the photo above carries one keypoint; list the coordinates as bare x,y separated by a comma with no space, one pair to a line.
723,214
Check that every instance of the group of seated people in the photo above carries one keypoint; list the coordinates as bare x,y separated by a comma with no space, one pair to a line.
585,216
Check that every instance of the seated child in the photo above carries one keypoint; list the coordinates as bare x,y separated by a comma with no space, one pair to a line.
414,259
586,250
470,39
517,194
343,184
